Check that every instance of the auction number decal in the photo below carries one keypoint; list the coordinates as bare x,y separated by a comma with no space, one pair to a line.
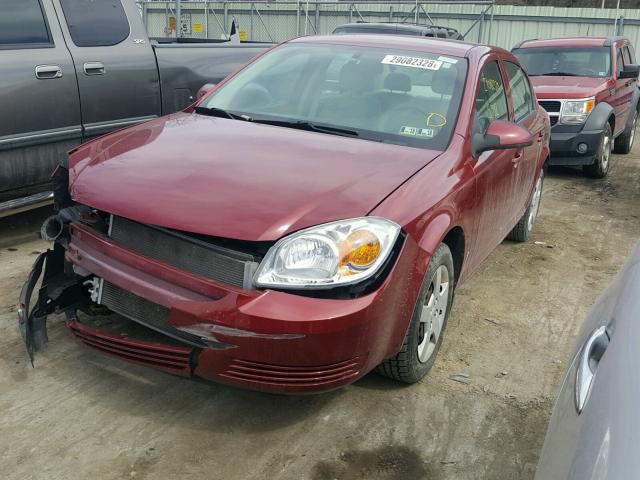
414,62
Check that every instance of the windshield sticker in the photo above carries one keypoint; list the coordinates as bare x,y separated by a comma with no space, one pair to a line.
435,120
417,132
414,62
448,59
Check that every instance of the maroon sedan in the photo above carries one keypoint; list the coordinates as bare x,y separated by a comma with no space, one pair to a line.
306,222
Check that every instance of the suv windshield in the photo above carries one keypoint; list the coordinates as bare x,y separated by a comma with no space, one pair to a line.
386,95
573,61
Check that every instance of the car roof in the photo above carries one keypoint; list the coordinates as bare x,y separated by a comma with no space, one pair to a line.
442,46
565,42
395,27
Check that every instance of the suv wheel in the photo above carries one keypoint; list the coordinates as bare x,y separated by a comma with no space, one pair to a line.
426,330
624,143
600,166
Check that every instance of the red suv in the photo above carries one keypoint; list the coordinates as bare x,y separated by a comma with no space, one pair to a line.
588,85
306,222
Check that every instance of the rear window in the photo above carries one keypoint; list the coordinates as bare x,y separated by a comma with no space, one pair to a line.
22,23
570,61
96,23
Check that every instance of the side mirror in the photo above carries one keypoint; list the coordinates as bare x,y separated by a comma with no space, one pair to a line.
206,88
630,71
501,135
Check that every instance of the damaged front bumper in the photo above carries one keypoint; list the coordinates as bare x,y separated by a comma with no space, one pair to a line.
259,339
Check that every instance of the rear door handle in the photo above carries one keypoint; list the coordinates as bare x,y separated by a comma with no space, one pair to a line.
588,362
44,72
94,68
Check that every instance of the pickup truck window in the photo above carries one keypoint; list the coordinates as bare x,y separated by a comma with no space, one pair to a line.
566,61
520,91
381,94
491,101
22,23
95,23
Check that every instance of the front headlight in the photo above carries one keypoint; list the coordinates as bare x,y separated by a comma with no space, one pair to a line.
577,111
337,253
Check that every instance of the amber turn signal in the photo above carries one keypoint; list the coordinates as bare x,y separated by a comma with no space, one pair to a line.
359,250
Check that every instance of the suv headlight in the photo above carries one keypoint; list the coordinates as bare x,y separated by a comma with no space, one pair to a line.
336,253
577,111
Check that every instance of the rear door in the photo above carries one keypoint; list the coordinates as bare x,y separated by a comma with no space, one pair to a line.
39,106
525,114
115,65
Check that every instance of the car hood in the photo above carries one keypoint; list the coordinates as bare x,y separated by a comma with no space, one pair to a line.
236,179
568,87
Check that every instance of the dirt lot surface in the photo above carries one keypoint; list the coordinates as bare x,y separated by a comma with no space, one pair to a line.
82,415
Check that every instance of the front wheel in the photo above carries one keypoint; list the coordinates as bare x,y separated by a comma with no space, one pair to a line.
600,166
426,329
624,143
524,227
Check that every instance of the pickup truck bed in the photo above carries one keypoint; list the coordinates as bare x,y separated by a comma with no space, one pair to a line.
76,69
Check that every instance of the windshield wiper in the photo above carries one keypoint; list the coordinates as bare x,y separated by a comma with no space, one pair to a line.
557,74
219,112
309,126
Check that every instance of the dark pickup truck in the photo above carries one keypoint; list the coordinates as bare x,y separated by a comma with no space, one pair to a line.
75,69
589,87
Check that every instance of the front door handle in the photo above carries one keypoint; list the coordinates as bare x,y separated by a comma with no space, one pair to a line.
45,72
588,362
94,68
516,159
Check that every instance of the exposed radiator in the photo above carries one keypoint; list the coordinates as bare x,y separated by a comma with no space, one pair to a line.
183,252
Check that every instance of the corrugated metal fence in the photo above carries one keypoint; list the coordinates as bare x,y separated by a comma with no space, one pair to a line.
481,21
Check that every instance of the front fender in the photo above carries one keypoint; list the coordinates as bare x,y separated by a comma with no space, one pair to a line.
434,233
598,117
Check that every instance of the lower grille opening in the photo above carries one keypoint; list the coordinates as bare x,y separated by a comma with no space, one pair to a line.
143,311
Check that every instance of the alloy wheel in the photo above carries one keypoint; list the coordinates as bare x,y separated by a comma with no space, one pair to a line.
434,312
535,204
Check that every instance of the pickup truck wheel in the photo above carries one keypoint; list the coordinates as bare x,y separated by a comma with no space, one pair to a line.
600,166
624,143
524,227
426,329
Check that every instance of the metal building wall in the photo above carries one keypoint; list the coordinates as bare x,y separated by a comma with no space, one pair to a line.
281,20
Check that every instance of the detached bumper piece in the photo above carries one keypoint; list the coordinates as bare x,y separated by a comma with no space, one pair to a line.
58,293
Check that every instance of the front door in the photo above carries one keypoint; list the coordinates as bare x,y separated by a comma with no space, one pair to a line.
40,110
624,92
494,170
115,65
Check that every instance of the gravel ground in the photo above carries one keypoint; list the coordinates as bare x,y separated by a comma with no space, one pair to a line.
79,414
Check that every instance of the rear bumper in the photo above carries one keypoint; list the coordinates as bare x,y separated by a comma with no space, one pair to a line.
564,147
263,340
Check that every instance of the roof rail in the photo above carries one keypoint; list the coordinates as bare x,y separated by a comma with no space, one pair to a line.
518,45
609,41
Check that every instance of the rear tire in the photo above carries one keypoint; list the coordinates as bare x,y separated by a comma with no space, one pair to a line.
600,166
428,322
624,143
524,227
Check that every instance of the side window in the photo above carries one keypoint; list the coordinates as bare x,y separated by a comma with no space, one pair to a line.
22,23
95,23
629,57
520,91
491,101
619,61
